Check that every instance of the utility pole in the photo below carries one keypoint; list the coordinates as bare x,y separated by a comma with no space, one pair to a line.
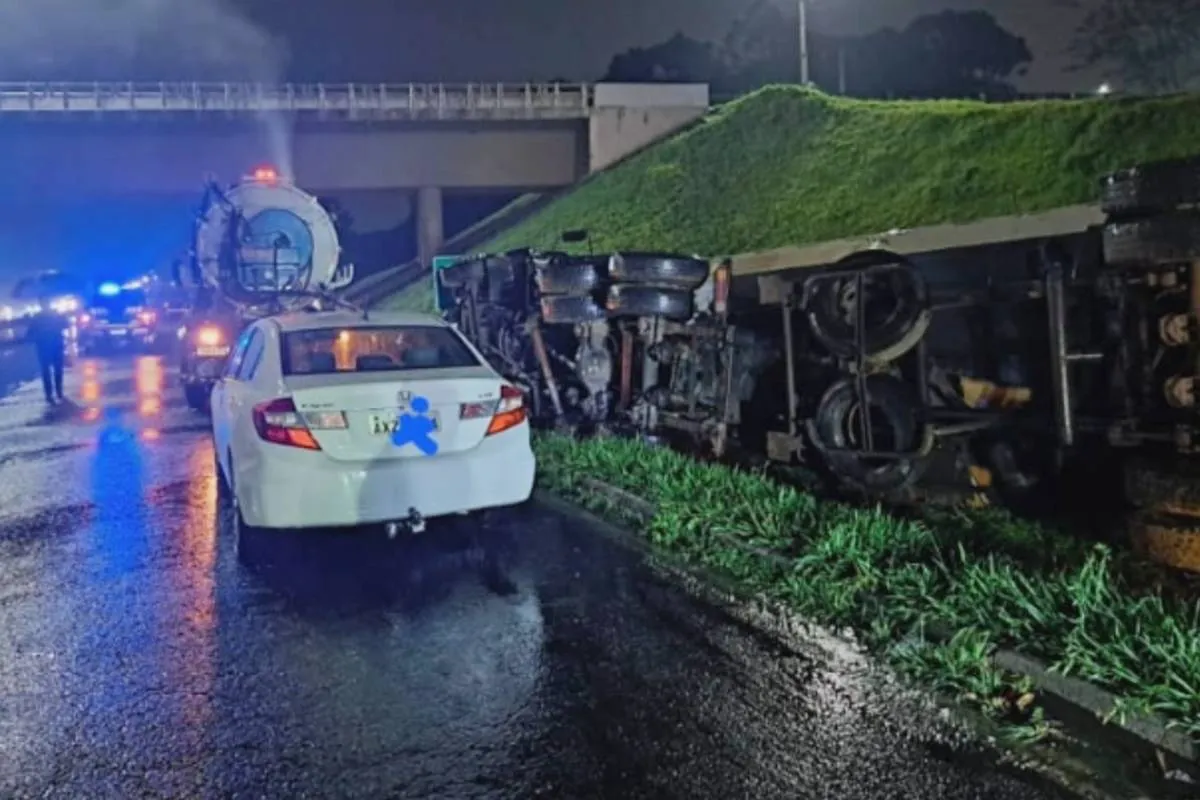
841,69
803,42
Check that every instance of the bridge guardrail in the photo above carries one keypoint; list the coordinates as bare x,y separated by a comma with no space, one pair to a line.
388,100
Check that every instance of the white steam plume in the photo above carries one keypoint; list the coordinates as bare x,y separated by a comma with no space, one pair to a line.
142,41
146,40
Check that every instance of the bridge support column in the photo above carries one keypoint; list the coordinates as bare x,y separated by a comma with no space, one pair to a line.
430,232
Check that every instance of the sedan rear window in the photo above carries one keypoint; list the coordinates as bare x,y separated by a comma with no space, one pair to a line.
373,349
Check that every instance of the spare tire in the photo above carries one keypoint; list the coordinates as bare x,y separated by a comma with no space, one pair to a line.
658,269
897,298
627,300
570,310
1153,187
1166,240
897,422
560,274
458,275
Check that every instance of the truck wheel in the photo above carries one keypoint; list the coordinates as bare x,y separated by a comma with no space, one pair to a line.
1167,539
560,274
569,310
1169,485
631,300
896,420
896,307
1149,188
658,269
1166,240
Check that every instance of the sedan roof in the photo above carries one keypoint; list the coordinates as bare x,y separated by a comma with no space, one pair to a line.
320,320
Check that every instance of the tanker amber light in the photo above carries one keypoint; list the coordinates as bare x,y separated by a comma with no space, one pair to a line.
209,337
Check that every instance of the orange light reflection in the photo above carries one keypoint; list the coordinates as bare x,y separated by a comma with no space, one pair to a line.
149,406
91,391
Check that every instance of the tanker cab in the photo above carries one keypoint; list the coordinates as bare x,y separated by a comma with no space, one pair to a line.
209,340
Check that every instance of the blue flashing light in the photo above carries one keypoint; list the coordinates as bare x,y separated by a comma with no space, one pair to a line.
110,289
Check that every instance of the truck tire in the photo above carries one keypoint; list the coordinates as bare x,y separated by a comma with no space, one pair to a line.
658,269
559,274
1149,188
897,411
631,300
464,272
892,334
570,310
1165,240
1167,539
1167,485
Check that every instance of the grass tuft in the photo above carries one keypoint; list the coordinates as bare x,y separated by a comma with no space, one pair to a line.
986,578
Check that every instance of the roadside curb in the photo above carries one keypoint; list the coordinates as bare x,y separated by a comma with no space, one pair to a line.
1087,698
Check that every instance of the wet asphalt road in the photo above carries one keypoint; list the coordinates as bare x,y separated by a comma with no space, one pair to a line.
140,658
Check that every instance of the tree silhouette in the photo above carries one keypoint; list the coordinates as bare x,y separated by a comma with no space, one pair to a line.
679,59
958,54
949,54
1149,44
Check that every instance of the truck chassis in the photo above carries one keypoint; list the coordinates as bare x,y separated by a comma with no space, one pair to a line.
883,363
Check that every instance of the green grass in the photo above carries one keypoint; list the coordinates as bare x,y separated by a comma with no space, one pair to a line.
787,165
990,579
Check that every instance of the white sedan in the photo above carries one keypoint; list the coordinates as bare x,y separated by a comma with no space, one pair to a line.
335,418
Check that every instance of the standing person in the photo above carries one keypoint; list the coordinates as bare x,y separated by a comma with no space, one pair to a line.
47,333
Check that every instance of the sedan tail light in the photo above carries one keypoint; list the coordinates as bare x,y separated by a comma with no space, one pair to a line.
279,422
510,412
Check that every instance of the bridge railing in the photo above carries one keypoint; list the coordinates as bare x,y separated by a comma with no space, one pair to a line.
346,100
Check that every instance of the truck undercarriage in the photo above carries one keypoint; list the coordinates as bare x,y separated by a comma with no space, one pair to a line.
984,364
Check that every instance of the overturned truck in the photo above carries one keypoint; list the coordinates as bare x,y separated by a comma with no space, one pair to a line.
986,355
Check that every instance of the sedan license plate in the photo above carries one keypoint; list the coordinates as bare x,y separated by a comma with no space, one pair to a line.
386,424
118,331
209,351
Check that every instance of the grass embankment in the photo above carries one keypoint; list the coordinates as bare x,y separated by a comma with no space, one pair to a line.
990,579
787,165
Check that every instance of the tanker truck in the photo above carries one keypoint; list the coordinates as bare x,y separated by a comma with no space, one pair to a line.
260,247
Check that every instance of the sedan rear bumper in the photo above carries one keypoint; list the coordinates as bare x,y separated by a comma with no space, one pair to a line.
292,488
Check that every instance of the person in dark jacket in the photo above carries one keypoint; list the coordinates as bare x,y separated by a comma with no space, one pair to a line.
47,332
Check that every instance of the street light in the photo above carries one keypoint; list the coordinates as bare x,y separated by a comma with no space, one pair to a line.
803,9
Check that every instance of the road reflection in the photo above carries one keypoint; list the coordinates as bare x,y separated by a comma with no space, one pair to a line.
100,395
188,663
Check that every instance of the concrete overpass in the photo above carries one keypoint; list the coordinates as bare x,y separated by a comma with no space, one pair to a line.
94,139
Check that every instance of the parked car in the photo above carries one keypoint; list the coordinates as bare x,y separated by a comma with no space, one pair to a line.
331,418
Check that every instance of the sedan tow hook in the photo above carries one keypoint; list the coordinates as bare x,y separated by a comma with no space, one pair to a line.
413,523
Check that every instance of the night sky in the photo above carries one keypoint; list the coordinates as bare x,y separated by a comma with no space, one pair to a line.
450,40
484,39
